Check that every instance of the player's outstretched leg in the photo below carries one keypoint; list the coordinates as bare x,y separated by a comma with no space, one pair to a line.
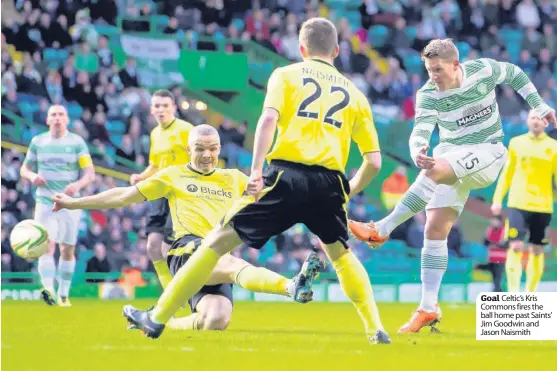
300,288
413,201
139,319
189,279
355,283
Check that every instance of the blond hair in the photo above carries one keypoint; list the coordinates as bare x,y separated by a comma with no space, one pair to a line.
319,36
441,48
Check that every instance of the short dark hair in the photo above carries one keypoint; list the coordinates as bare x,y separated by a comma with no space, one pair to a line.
163,93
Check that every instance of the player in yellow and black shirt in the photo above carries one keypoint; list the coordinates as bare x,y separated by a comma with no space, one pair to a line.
316,113
199,194
169,140
528,176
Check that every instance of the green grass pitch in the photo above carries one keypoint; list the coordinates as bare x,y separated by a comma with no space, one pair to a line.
263,336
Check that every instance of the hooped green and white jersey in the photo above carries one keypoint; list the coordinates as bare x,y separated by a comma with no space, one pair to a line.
58,161
469,115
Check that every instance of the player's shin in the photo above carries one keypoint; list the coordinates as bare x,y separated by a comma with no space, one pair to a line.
534,270
186,282
258,279
66,270
433,267
161,267
513,268
190,322
355,283
413,201
47,271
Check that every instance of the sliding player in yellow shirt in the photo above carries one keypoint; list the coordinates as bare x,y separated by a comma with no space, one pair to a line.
528,176
169,140
199,195
316,112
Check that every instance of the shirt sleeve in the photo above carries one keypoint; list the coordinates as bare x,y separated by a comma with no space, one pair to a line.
84,158
275,91
506,176
364,133
424,123
512,75
156,186
31,156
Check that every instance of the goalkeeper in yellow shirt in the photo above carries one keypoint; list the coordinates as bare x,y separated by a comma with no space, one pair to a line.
528,176
199,194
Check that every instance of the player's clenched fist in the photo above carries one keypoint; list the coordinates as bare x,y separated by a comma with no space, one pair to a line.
423,160
38,181
550,118
61,201
255,184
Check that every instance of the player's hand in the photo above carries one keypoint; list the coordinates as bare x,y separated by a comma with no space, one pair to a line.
38,181
71,189
61,201
255,184
550,119
134,179
496,209
423,160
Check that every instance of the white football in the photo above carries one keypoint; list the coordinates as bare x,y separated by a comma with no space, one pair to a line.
29,239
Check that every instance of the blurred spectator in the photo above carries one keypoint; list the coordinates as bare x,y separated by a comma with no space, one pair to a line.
98,263
126,150
128,75
496,244
416,230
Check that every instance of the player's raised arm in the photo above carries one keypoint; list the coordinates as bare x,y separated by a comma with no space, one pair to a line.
110,199
365,136
512,75
504,180
424,124
150,189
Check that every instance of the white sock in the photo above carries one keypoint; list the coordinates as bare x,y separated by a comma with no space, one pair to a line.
47,271
66,269
435,256
413,201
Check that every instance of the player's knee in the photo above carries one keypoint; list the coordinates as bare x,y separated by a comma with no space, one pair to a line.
516,246
154,246
537,249
437,231
441,173
216,320
67,252
223,240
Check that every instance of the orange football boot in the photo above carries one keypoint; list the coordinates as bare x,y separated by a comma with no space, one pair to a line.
420,319
366,232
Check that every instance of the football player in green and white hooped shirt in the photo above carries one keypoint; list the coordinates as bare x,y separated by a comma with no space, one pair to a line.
460,99
57,157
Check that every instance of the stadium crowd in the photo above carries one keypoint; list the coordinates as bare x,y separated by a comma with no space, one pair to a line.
379,41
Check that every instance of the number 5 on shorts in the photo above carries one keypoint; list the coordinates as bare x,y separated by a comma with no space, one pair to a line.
469,164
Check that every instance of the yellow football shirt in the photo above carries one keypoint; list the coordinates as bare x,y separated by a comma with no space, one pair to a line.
528,174
321,111
168,146
197,201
